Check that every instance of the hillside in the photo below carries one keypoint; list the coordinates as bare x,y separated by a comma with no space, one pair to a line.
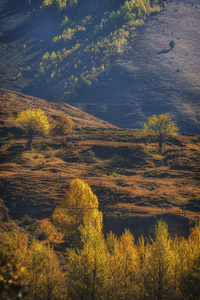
135,186
12,103
110,58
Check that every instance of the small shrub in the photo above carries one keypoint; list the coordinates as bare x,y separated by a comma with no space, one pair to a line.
64,125
171,44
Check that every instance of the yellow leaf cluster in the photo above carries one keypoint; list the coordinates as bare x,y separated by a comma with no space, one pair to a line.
64,125
52,235
34,121
78,211
161,125
79,204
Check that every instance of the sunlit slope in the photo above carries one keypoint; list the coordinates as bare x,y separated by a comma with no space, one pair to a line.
12,103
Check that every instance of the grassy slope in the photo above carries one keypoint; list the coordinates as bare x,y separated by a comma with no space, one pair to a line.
131,180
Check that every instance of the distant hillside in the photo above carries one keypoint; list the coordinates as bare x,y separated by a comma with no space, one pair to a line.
12,103
112,59
134,184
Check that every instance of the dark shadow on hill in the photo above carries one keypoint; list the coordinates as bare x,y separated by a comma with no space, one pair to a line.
145,224
164,51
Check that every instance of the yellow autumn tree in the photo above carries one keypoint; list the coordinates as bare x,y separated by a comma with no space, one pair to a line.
87,267
43,273
160,127
13,250
13,245
51,234
123,263
33,122
191,272
87,271
78,207
64,125
159,276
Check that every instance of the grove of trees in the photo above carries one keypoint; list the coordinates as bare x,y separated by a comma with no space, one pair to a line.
99,267
86,42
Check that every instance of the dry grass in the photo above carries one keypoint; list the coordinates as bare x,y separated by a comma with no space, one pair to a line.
129,177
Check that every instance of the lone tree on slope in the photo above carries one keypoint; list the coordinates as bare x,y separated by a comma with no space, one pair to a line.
33,121
160,127
64,125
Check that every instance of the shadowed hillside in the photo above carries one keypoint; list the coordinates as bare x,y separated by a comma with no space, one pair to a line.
119,74
153,77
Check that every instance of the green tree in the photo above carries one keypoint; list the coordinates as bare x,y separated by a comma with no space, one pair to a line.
33,121
160,127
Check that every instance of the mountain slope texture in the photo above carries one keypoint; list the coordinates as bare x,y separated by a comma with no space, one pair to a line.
118,60
135,185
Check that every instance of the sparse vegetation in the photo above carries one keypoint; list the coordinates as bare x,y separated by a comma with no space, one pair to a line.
84,46
101,157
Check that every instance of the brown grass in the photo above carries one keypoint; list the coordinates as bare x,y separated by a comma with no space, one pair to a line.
129,177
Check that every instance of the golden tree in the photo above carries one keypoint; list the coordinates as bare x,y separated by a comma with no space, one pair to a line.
78,207
33,121
43,273
87,266
51,234
13,245
64,125
160,127
159,277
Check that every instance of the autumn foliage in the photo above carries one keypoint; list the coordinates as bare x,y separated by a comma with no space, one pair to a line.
64,125
160,127
107,268
33,122
79,207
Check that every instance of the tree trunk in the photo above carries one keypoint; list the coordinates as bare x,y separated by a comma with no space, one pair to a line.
160,146
29,144
161,140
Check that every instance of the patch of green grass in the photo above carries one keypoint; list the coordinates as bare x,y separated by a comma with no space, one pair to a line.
37,167
158,156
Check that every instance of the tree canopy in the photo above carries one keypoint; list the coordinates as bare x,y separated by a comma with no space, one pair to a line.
160,127
79,207
33,122
64,125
